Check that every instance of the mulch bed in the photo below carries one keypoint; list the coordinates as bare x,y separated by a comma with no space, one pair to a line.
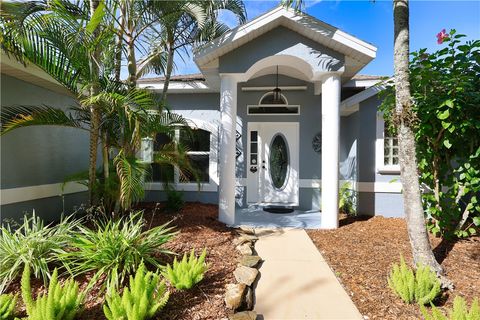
198,228
362,251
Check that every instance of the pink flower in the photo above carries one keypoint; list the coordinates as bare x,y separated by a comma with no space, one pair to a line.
442,36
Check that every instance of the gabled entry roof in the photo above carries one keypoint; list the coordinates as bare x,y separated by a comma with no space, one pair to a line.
357,52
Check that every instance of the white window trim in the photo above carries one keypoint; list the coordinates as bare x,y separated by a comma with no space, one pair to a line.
212,185
380,149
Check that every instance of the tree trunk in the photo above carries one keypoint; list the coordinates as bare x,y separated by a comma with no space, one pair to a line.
417,231
168,74
95,114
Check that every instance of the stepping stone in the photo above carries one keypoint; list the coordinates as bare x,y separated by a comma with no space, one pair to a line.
245,275
245,315
250,261
234,295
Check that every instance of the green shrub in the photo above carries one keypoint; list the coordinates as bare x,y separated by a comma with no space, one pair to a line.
188,272
116,244
34,244
144,298
174,201
422,286
7,306
459,312
61,302
346,202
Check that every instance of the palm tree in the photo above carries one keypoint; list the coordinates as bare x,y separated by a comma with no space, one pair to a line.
63,39
403,120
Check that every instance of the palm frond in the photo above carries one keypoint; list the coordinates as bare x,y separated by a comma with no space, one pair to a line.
14,117
131,173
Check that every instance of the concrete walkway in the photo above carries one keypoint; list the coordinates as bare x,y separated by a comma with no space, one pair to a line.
296,282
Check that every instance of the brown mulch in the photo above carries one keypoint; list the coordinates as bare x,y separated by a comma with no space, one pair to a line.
362,251
198,228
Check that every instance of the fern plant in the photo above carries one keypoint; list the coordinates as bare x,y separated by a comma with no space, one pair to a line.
61,302
143,299
421,287
7,306
427,285
459,312
188,272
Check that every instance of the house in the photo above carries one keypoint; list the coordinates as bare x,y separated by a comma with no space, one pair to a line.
282,119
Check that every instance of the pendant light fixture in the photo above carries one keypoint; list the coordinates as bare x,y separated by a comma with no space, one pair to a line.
277,93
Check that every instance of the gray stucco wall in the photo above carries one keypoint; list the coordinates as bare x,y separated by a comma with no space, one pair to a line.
281,41
386,204
39,155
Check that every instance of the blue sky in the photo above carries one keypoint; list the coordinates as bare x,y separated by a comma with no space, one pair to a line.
373,22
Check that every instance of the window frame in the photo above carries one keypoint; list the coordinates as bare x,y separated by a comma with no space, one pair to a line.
380,165
212,184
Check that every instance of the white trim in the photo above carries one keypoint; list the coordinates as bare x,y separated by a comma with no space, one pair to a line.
378,187
361,83
283,88
22,194
177,87
379,149
270,106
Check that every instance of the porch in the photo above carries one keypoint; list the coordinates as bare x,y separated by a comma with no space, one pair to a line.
256,217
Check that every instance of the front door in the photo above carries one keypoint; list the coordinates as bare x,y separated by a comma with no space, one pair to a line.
272,169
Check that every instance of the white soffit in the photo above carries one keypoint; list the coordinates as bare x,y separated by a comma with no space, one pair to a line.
31,74
304,24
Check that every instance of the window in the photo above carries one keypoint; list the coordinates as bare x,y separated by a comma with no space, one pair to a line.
386,149
390,149
198,144
269,98
268,106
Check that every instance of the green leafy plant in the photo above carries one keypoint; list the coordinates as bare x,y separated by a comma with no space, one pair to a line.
7,306
347,198
188,272
421,286
61,302
143,299
120,244
34,244
174,201
459,312
446,91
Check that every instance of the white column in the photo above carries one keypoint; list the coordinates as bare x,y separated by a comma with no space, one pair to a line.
331,87
228,111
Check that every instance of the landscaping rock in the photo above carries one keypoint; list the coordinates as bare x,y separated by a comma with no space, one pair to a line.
244,239
245,315
245,275
249,299
245,249
234,295
250,261
247,230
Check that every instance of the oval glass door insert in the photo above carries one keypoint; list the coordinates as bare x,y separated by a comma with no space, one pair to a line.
279,161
